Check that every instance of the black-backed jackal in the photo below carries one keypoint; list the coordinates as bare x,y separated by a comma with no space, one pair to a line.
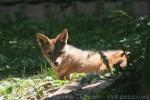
66,59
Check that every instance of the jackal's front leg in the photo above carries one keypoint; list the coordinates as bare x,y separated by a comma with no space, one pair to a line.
63,76
60,76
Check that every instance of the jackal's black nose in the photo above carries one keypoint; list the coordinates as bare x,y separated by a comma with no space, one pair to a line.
56,63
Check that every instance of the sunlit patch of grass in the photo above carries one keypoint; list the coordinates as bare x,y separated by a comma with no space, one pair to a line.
23,88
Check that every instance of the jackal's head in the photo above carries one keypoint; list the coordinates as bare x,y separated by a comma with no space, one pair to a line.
52,49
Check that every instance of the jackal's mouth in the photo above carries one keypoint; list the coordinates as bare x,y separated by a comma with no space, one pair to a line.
56,64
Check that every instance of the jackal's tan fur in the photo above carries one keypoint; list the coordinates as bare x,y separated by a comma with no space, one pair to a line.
66,59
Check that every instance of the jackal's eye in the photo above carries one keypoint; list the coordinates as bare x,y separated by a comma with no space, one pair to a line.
50,53
60,52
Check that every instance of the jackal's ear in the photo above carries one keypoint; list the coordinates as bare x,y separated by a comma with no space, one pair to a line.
63,36
42,39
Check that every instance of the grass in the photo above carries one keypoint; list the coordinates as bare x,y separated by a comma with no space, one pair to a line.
21,59
23,88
